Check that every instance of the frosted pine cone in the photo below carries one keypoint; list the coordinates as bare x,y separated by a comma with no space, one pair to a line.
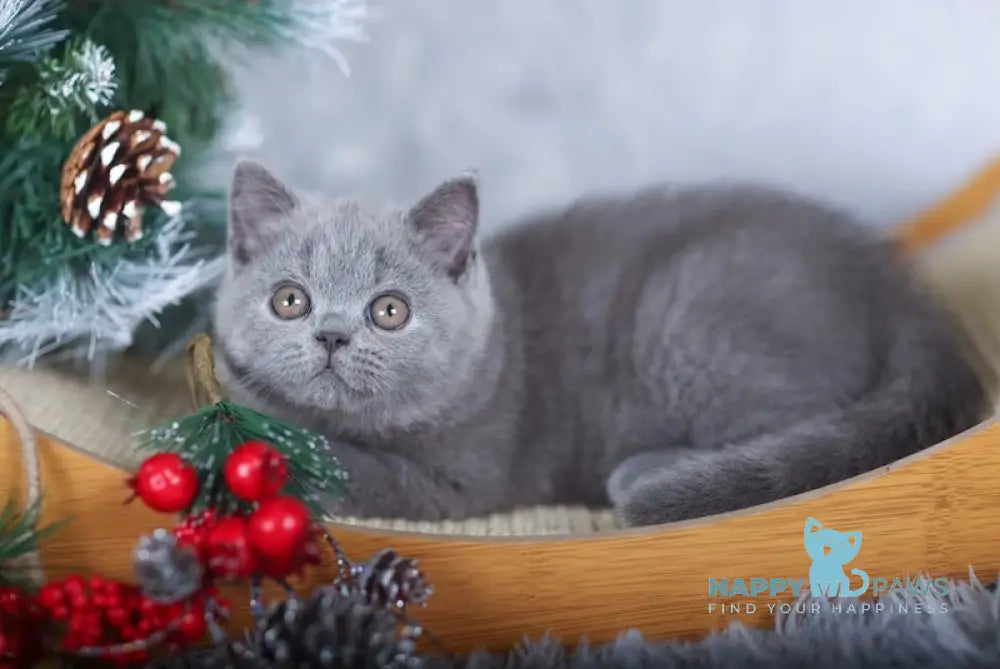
332,630
166,572
389,580
119,166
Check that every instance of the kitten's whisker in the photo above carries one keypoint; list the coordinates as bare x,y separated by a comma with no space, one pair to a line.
370,367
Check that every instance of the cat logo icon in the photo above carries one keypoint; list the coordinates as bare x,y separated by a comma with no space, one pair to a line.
830,551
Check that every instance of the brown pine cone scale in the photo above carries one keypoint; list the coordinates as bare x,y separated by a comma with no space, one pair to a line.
118,167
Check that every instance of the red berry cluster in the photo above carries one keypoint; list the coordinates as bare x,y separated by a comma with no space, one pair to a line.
20,637
275,539
102,614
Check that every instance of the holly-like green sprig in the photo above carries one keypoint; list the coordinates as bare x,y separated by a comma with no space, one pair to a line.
206,437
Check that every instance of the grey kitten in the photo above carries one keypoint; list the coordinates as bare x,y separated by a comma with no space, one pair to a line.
678,353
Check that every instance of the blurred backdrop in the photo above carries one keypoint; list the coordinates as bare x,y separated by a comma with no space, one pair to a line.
879,105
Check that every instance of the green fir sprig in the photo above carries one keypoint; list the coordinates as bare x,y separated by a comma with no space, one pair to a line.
69,91
205,438
19,536
26,30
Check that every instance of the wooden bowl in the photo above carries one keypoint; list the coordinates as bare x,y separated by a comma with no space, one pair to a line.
932,513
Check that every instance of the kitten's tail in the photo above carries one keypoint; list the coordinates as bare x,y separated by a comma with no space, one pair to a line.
930,392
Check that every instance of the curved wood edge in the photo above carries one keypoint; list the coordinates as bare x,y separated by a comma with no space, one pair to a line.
953,212
934,513
990,425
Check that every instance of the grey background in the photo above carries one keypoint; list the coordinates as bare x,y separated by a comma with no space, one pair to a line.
879,105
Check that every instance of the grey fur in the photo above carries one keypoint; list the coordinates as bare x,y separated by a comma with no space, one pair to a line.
901,636
681,352
966,637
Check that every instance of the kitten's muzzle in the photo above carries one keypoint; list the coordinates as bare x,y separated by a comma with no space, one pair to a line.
333,339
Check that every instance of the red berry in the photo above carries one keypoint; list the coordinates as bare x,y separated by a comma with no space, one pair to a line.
165,483
280,531
229,554
77,623
279,527
74,586
255,471
191,626
117,616
12,600
145,626
50,596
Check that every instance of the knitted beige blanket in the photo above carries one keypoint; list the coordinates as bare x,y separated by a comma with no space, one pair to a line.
100,409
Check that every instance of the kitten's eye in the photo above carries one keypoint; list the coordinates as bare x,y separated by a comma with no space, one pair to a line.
289,302
389,312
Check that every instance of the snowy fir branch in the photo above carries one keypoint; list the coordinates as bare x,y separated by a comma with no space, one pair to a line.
78,315
79,82
25,30
170,59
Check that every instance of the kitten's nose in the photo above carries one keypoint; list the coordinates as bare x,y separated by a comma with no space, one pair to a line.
333,339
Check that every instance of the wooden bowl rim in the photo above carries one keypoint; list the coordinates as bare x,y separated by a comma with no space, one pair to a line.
986,425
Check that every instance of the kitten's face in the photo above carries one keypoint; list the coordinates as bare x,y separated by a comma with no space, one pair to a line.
337,310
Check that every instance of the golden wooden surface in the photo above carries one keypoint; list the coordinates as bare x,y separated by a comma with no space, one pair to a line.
951,213
935,512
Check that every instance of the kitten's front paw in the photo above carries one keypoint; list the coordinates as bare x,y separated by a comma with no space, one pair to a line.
647,505
672,494
645,488
632,471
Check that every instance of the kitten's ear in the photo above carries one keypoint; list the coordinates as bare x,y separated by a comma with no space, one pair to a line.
258,205
445,222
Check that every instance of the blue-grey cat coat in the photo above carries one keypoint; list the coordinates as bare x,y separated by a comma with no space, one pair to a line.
679,352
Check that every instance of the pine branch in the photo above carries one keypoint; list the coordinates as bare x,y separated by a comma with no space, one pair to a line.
96,301
19,536
207,436
171,60
34,241
25,31
68,93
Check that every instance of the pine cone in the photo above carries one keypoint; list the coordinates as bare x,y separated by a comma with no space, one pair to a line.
389,580
165,571
332,630
117,167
